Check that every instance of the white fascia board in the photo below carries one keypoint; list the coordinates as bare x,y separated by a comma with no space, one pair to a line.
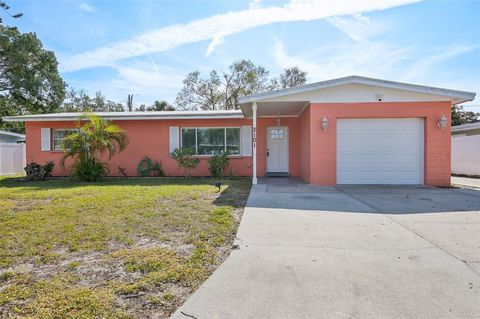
2,132
456,95
466,127
126,116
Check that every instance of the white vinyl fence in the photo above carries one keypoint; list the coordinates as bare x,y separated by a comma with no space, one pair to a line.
466,155
12,158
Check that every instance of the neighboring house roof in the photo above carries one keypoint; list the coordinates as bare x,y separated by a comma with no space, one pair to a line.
160,115
454,95
466,127
12,134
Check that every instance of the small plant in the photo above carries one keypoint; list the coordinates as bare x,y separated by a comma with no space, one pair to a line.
144,167
168,296
37,172
6,276
122,171
218,163
157,169
48,167
186,159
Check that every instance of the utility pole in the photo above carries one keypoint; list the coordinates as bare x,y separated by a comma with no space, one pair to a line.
130,102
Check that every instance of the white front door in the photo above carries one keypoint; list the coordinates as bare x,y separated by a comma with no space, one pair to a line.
277,149
380,151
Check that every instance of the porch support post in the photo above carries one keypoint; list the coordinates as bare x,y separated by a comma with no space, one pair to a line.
254,143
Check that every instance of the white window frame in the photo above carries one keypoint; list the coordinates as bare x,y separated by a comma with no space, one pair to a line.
53,136
213,127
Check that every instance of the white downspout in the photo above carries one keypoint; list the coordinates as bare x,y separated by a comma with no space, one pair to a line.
254,141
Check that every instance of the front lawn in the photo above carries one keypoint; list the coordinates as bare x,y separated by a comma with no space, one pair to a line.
119,248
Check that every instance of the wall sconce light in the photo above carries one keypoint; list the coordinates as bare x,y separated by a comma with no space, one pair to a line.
442,122
324,123
278,119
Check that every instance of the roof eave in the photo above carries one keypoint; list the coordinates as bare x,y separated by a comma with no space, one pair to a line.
455,96
124,117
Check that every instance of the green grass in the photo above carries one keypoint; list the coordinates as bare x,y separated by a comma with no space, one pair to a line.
99,250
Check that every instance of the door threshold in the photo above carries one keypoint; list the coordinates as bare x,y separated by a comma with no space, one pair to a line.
277,174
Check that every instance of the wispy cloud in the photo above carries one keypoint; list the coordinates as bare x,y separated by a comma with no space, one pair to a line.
86,7
220,26
380,60
213,45
147,80
358,27
422,66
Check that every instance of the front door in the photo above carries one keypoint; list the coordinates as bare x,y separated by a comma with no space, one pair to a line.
277,149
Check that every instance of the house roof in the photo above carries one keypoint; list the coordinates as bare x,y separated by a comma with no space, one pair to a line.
454,95
466,127
2,132
160,115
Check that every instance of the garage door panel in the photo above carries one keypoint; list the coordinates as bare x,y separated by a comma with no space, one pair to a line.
380,151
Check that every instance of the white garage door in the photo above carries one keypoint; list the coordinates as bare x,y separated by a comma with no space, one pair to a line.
380,151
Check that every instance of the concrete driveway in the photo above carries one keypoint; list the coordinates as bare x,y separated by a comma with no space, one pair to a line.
349,252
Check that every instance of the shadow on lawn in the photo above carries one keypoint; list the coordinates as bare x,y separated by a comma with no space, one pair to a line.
233,191
68,182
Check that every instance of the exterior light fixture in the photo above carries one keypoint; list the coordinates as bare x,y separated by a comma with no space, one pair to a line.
324,123
442,122
278,119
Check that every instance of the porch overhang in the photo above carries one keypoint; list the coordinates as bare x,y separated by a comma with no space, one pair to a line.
274,108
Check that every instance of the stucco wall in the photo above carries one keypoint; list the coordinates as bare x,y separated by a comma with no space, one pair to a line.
304,145
312,152
323,145
293,143
146,138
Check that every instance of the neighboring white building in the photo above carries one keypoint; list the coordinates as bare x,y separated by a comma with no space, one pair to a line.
11,137
466,149
12,153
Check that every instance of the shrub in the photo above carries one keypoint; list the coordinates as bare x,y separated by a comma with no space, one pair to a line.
218,163
90,171
157,169
48,167
144,167
37,172
186,159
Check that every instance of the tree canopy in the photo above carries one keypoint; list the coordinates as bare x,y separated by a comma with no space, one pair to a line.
460,116
221,90
29,78
80,101
156,106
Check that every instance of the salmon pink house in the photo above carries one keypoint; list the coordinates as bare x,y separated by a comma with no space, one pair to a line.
352,130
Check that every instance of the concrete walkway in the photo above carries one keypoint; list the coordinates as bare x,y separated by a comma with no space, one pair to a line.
351,252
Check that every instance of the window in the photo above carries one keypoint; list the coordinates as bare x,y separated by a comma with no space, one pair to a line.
211,141
276,134
59,135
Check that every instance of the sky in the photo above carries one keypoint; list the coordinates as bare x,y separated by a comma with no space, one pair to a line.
146,47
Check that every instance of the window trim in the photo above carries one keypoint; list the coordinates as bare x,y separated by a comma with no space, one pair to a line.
53,137
240,154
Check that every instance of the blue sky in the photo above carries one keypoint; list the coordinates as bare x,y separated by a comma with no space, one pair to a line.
147,47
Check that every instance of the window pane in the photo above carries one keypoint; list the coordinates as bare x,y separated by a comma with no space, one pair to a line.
233,140
210,141
58,136
188,138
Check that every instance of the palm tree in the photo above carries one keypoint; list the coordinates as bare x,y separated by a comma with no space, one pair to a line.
93,139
